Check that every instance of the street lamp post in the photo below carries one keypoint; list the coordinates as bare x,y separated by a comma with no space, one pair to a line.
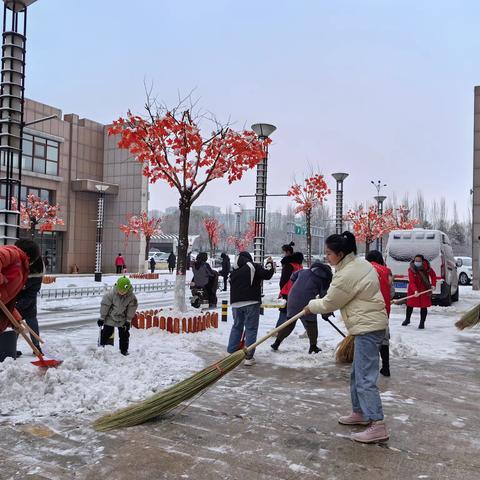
379,199
12,90
263,131
339,177
99,236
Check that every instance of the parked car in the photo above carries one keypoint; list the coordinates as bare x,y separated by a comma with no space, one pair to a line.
435,246
464,268
158,256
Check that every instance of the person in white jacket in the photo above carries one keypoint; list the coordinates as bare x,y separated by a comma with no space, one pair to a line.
355,291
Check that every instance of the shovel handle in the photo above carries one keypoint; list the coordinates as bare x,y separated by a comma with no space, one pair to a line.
20,329
32,333
400,300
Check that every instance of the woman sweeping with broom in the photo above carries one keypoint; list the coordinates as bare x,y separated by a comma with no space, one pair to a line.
355,290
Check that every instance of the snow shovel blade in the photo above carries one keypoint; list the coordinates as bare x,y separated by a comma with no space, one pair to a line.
41,362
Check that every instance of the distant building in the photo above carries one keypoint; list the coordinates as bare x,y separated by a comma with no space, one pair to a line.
63,160
207,210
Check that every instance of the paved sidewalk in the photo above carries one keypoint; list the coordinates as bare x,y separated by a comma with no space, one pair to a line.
268,422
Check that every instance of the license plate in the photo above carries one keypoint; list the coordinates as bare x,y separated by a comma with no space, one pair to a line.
400,284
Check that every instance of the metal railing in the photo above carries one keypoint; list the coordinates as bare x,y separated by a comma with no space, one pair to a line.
77,292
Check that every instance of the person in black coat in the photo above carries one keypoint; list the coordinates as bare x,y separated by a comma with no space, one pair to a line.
307,284
153,264
225,271
245,299
26,302
172,261
206,278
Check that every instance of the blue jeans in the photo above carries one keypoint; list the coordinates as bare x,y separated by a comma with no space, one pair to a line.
244,318
363,380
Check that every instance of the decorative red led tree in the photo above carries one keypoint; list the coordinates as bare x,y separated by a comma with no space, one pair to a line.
243,242
142,225
399,218
36,212
308,196
172,149
213,229
368,225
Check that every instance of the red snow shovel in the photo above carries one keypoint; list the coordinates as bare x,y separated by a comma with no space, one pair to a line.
22,328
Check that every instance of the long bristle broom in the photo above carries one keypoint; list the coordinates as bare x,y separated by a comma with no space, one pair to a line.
469,319
163,402
345,350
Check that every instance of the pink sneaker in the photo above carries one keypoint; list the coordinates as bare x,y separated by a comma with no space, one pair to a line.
355,418
375,433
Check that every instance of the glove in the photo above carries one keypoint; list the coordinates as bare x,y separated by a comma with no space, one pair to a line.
127,326
100,323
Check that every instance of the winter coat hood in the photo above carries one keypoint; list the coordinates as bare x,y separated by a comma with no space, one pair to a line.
242,259
296,257
322,270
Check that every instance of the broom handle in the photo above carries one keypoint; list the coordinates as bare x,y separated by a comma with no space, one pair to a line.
275,330
20,329
396,302
335,327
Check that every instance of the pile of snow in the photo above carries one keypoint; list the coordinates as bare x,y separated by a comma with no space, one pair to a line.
92,378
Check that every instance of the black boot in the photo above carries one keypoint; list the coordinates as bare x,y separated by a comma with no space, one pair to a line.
408,316
385,355
423,317
314,349
275,345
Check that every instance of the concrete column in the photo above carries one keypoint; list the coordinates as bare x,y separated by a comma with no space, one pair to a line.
476,191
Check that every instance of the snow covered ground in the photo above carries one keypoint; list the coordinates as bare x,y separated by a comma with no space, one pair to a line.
93,380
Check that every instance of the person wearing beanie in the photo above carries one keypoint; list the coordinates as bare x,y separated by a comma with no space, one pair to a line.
117,309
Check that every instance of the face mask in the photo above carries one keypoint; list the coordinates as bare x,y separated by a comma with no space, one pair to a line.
418,264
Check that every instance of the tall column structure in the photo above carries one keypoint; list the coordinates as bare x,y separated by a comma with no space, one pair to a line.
339,177
263,131
12,90
476,192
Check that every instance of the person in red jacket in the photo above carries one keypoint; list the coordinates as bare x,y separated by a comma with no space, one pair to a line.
120,263
421,277
14,270
291,263
385,278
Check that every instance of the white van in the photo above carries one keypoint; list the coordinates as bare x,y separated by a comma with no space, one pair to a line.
435,246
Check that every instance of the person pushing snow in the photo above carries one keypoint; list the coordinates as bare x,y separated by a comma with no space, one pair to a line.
117,309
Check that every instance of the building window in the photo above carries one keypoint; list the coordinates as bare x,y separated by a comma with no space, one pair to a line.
40,155
41,193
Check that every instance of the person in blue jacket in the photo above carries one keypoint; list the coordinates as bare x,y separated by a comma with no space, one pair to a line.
307,285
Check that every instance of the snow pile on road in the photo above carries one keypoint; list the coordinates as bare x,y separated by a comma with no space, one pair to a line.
92,378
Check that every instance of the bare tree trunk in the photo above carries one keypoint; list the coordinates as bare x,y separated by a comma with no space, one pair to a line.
180,280
147,247
367,247
308,221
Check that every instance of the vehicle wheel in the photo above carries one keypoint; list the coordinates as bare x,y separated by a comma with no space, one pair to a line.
446,300
456,294
463,279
